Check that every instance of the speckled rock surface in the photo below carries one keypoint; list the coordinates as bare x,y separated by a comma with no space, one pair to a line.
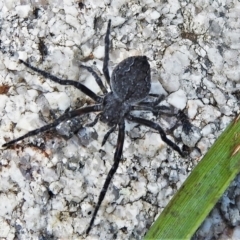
50,182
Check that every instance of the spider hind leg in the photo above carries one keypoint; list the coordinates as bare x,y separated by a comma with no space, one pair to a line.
47,127
157,127
117,158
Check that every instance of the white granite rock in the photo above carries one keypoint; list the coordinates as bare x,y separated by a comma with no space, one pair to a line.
49,188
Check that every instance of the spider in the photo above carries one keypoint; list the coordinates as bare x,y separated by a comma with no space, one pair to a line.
129,86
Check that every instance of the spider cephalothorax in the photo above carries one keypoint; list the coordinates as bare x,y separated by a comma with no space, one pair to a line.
109,114
130,84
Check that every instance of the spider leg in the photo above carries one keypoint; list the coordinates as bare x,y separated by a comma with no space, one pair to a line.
155,110
111,130
117,158
66,116
76,84
149,108
159,129
154,95
154,103
96,77
141,108
106,54
91,124
183,119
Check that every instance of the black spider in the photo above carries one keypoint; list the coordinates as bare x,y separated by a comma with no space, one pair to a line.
130,84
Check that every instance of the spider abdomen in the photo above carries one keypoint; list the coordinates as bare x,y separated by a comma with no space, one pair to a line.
131,79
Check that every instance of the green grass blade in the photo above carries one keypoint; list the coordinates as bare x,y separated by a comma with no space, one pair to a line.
202,189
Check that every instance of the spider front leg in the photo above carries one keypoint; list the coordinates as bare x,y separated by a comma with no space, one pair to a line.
106,54
96,77
64,117
117,158
76,84
159,129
